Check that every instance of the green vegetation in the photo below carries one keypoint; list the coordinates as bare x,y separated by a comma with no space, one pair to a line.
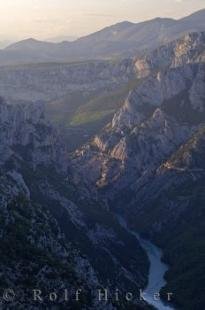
102,106
83,114
61,111
86,117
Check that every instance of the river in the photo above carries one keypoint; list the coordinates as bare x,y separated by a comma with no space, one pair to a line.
156,272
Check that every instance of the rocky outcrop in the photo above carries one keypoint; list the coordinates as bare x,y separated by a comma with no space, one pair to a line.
171,90
187,50
24,127
156,118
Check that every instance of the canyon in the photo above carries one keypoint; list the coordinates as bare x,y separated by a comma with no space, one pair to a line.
143,162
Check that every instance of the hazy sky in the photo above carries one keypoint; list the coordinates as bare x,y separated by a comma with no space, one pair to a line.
49,18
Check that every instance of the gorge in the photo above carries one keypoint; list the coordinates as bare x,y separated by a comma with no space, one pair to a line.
102,174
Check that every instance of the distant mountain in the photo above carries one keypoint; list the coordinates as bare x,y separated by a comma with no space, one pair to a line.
193,22
29,44
129,35
121,40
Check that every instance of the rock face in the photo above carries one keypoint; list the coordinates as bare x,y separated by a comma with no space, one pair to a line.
24,127
47,82
189,49
149,161
183,83
61,236
157,117
169,207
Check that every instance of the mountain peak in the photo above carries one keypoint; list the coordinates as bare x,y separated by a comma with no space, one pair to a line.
30,40
26,43
124,23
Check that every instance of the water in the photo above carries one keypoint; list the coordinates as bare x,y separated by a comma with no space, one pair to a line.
156,272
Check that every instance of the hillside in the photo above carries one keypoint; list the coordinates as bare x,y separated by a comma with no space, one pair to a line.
171,211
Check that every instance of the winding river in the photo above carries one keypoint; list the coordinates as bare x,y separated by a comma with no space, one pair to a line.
156,272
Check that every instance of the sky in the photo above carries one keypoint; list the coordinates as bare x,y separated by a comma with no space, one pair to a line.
43,19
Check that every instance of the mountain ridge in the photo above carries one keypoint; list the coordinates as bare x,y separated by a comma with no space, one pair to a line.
121,40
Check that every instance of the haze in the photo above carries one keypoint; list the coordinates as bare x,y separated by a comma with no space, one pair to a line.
51,18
